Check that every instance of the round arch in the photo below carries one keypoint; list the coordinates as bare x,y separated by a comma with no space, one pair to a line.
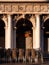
47,17
17,17
22,26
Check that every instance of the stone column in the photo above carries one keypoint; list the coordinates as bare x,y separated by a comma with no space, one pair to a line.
32,19
14,37
6,36
34,38
9,39
33,51
37,32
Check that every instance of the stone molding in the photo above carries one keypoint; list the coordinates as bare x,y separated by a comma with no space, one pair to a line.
24,0
24,8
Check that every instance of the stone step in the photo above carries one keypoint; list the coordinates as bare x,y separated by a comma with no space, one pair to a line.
20,64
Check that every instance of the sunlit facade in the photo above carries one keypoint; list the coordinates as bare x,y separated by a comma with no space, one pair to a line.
17,17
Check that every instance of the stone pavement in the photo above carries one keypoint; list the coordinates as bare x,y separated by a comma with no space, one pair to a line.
45,63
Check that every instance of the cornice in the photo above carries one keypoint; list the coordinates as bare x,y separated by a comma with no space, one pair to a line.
24,1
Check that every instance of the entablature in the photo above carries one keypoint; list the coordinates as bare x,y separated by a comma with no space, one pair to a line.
24,0
24,8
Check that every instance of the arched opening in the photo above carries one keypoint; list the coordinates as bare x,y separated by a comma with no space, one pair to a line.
2,34
22,25
46,36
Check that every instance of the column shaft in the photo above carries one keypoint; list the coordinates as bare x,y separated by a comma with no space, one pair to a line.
9,39
34,38
14,37
6,36
37,31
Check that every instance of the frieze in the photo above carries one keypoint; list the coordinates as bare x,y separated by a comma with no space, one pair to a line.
2,8
29,8
21,8
44,8
14,8
37,8
8,8
24,7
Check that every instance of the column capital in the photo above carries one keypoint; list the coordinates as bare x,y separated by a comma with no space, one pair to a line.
15,28
9,15
23,15
15,17
33,28
37,15
5,27
5,19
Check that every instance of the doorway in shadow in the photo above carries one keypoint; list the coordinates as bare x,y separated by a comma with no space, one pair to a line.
22,25
2,34
46,36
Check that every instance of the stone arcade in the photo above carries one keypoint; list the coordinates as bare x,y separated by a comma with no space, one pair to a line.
36,13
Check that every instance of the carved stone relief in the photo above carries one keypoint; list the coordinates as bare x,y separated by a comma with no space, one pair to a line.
8,8
33,21
29,8
15,8
4,18
36,8
44,8
24,7
2,8
21,8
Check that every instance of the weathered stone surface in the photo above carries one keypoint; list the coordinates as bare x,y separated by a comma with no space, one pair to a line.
24,0
24,7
